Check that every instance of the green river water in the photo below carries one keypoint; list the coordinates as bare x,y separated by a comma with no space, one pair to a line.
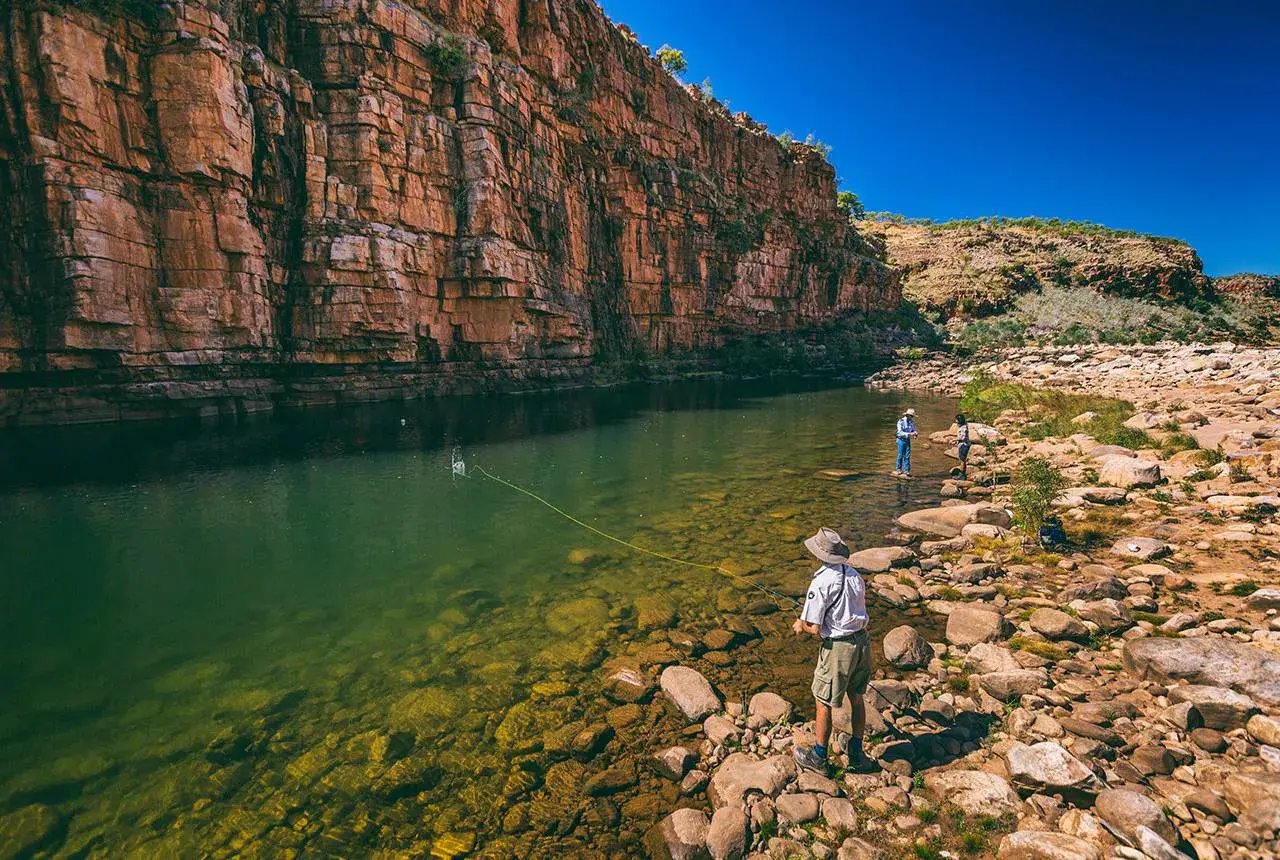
305,637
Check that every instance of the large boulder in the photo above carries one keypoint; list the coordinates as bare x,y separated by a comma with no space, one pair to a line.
1220,708
984,658
1128,472
729,835
1047,768
1055,624
1109,614
799,808
740,773
1263,599
948,521
720,729
1125,811
682,835
1141,548
770,707
1073,496
1012,684
1252,792
1108,585
689,692
969,625
1210,661
854,848
1264,729
1040,845
974,791
839,813
882,558
905,648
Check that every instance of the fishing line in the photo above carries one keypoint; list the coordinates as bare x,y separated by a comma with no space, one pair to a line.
460,469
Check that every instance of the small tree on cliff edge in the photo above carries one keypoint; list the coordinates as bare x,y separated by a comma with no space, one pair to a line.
672,60
848,203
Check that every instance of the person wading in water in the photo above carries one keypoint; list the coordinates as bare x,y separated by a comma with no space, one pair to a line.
962,444
836,610
906,432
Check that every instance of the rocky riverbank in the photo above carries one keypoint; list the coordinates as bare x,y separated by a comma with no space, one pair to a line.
1116,698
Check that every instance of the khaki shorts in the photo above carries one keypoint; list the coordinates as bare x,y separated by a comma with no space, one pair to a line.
844,666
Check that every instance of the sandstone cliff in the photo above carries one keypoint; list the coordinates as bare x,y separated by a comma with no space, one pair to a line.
972,268
241,203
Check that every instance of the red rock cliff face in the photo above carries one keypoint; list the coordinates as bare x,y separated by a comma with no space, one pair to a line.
238,205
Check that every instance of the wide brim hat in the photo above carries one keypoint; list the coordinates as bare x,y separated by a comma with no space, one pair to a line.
910,412
827,545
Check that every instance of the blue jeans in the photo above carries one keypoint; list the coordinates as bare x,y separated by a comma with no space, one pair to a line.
904,455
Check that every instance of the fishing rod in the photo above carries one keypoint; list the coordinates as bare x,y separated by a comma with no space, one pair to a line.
460,469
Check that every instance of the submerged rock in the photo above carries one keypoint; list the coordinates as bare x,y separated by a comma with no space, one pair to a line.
628,685
674,762
24,831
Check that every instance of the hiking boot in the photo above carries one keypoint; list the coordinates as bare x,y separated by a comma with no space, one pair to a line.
810,760
861,764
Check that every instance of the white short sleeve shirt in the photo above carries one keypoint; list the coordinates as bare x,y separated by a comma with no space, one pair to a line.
837,601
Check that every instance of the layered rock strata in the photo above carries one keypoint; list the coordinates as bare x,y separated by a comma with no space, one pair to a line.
974,268
230,204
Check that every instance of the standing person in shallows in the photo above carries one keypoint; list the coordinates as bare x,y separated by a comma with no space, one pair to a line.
962,444
836,610
906,432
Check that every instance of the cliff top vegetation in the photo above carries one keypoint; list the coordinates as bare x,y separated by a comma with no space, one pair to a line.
1046,225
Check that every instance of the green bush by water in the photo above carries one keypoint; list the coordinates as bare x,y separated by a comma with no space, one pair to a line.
1036,484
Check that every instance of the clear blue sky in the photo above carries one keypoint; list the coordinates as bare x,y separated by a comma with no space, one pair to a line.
1161,116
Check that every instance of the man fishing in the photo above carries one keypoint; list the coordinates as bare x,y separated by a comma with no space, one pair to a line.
836,610
962,444
906,432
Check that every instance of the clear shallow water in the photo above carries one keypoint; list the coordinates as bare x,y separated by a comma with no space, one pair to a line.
307,635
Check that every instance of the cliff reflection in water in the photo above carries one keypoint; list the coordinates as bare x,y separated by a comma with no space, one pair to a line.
49,456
